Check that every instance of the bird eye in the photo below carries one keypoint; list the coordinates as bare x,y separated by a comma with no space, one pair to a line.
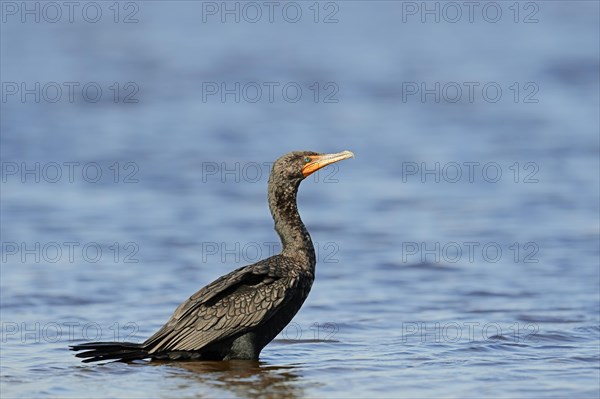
306,159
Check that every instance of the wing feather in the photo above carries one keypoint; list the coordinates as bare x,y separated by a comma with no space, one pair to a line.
234,303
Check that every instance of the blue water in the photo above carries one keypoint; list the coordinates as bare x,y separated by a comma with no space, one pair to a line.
458,252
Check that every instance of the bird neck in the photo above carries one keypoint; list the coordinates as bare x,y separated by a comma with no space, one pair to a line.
295,240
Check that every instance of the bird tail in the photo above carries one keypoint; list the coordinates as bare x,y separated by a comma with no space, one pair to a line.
118,351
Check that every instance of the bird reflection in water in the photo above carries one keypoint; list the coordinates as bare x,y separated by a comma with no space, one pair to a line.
242,378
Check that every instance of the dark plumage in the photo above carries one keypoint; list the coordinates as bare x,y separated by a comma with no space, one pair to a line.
237,315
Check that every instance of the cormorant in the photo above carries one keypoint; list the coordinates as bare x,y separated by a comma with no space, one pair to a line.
237,315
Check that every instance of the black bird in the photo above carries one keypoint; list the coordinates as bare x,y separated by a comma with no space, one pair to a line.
237,315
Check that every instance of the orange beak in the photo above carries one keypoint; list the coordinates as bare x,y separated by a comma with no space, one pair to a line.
320,161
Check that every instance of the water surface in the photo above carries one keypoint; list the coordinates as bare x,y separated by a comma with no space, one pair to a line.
412,297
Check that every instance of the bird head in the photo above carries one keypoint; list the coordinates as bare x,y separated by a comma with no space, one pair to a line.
298,165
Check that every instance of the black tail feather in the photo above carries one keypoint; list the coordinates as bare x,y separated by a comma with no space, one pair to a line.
119,351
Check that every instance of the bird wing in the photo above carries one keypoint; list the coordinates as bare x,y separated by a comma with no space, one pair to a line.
232,304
